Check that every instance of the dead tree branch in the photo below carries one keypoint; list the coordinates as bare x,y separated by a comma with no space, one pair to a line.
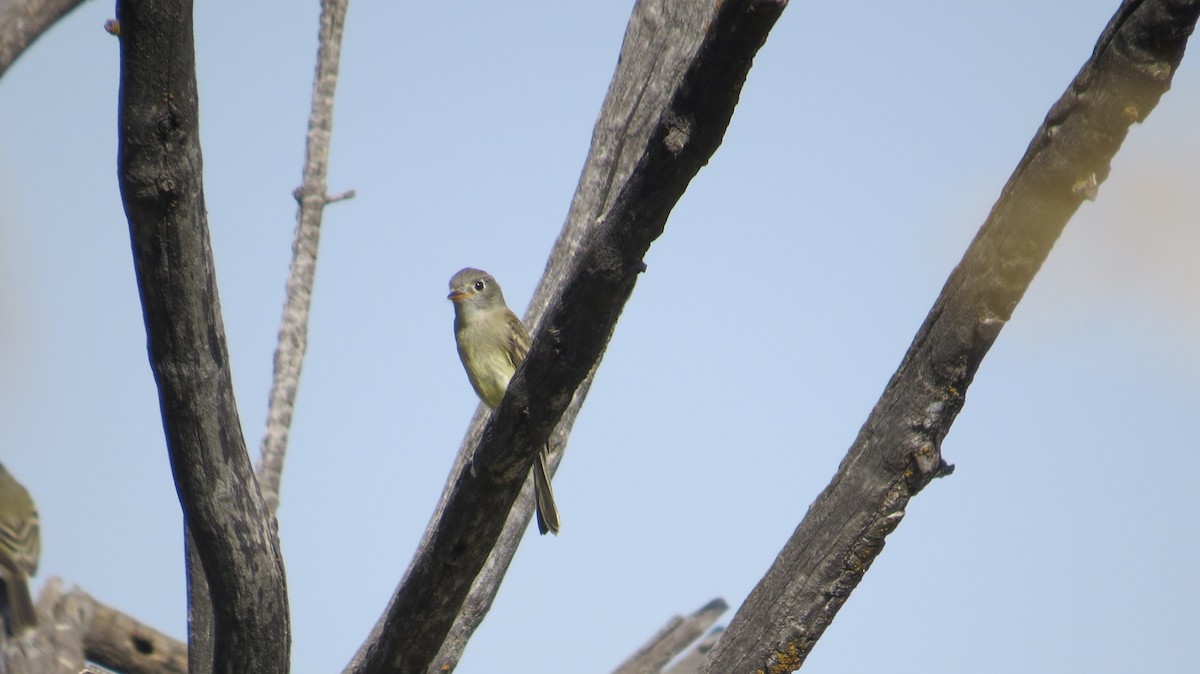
118,642
672,639
74,626
23,21
693,660
159,169
898,450
293,328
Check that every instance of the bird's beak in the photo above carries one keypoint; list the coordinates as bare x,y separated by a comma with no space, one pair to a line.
456,296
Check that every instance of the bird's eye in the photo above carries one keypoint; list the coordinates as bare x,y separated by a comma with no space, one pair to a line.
479,286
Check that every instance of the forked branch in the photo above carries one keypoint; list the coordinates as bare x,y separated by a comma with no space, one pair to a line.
588,288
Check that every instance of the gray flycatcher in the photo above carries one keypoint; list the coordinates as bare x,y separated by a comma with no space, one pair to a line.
492,342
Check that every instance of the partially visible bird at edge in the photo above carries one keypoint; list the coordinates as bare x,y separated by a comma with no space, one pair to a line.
20,547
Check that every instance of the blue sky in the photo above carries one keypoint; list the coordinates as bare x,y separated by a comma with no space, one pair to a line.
866,151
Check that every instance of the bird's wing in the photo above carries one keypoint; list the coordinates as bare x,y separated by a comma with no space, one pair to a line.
518,342
20,537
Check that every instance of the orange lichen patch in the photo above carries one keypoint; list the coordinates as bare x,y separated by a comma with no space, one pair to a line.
784,661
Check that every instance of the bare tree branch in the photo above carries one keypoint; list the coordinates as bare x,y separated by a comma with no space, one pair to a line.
898,450
120,643
672,639
293,328
487,583
159,169
694,659
23,21
567,342
74,626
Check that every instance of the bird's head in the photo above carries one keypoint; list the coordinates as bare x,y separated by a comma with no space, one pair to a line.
475,289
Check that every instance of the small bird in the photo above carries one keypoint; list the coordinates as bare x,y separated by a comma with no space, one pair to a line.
492,342
20,547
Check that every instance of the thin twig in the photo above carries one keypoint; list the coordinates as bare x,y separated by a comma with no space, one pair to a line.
348,194
293,327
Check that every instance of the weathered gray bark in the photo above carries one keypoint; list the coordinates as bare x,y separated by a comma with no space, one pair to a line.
159,170
293,328
200,615
587,283
898,450
23,21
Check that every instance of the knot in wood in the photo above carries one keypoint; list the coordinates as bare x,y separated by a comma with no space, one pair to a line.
679,133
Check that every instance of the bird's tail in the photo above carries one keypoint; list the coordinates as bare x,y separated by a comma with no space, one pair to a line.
547,512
